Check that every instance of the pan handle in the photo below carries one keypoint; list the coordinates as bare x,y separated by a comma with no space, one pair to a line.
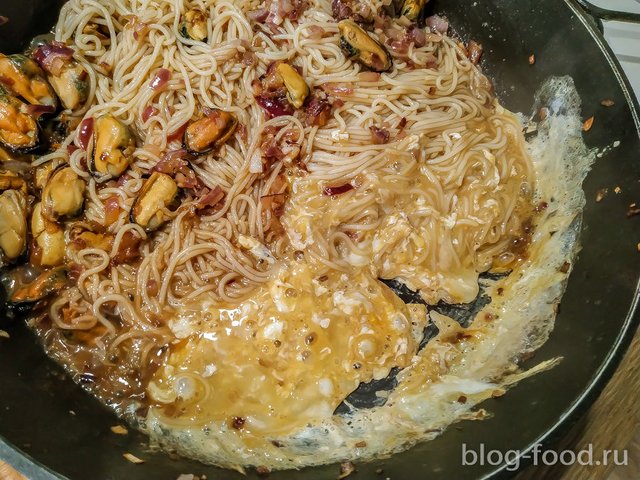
599,14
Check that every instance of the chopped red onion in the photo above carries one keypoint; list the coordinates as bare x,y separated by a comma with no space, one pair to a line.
417,36
315,32
53,56
38,110
84,132
211,198
274,106
149,112
379,136
341,10
160,79
178,133
437,24
339,89
474,52
318,111
259,15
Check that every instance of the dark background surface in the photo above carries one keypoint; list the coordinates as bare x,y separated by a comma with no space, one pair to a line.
36,399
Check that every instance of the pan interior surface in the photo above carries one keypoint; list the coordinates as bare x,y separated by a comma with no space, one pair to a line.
54,422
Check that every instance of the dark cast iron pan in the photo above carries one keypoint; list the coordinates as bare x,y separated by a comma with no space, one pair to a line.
48,424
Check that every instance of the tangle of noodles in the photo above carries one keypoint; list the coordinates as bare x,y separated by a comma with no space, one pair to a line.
446,195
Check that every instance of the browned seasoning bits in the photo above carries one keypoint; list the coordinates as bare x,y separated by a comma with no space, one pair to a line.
132,458
532,59
346,469
633,210
263,471
607,102
600,194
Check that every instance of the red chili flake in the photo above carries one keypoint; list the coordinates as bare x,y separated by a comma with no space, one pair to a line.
84,132
588,123
565,267
337,189
462,399
541,207
238,422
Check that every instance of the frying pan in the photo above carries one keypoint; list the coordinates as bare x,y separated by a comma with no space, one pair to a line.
48,424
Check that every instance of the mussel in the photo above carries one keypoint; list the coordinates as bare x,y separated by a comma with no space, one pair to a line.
110,148
412,8
156,195
359,45
297,88
13,223
63,194
18,129
67,77
82,238
23,295
49,239
25,79
194,25
71,85
12,181
209,132
42,174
